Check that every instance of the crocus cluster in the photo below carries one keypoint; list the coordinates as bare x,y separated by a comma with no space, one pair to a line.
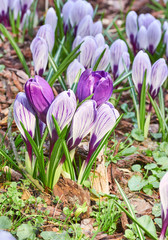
78,14
155,74
144,31
43,43
38,100
18,7
163,190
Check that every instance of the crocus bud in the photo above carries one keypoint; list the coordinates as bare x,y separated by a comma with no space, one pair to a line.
87,49
145,20
82,123
105,121
72,71
84,27
105,60
4,235
154,34
132,28
79,11
124,60
40,96
23,112
67,7
159,74
116,50
140,64
163,190
3,12
39,49
142,39
16,9
98,83
46,32
99,38
96,28
51,18
76,42
63,109
25,4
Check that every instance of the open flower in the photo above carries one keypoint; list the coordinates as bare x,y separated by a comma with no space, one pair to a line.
40,96
23,112
98,83
163,190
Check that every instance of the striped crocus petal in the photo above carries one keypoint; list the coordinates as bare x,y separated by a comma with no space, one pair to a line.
72,71
11,4
3,7
82,123
145,20
142,39
99,38
85,26
39,49
97,28
40,96
67,7
165,26
116,51
131,27
51,18
140,64
154,34
23,112
105,121
63,109
46,32
4,235
124,60
159,74
87,49
105,60
163,190
76,42
25,20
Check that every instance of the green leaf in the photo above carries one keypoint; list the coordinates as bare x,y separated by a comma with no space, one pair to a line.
136,168
156,210
5,222
147,222
60,20
2,67
135,183
137,134
129,234
129,151
25,231
16,48
48,235
150,166
142,103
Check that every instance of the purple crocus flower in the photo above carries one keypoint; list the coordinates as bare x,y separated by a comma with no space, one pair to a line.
40,96
72,71
4,235
159,74
154,35
67,7
163,190
51,18
99,38
145,20
140,64
96,28
25,5
142,38
23,112
63,109
82,123
46,32
132,28
98,83
39,49
116,50
85,26
105,121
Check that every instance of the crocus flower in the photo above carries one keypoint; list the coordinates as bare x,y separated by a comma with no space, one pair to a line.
132,28
105,60
84,27
142,38
124,60
82,123
163,190
145,20
116,50
140,64
46,32
40,96
76,42
87,50
159,74
11,4
51,18
23,112
98,83
16,9
72,71
96,28
99,38
3,12
4,235
65,13
154,35
39,49
105,121
63,109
